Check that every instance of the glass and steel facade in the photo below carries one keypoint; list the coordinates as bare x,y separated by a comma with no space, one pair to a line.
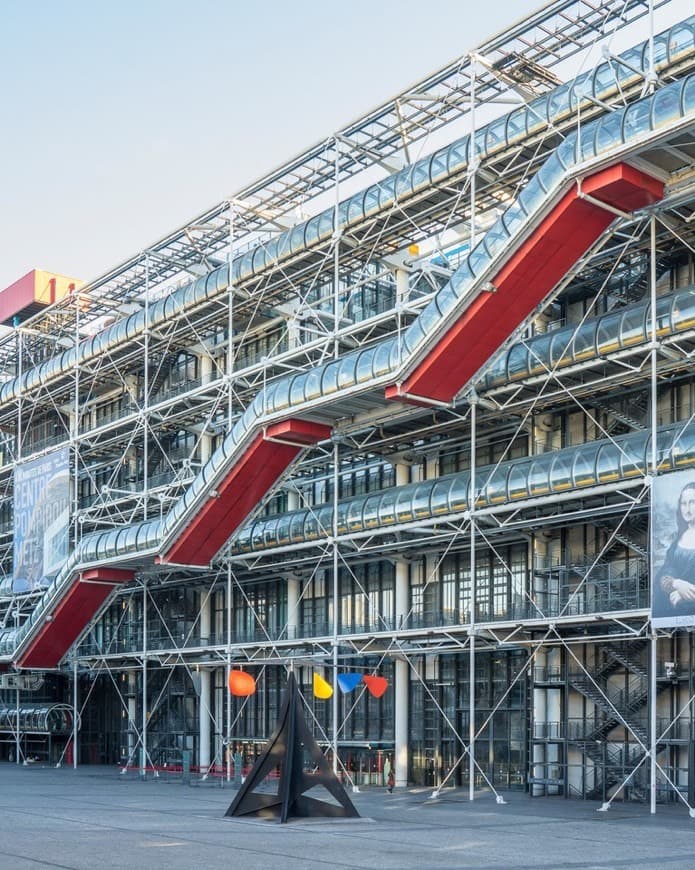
512,521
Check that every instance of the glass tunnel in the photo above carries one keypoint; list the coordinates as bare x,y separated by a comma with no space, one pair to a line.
507,483
39,719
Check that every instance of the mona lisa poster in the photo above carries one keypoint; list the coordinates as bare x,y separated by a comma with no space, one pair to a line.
673,549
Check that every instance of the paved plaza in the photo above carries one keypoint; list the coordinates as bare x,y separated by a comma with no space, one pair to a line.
94,818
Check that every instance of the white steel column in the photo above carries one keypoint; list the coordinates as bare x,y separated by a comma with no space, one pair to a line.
402,674
146,401
204,700
292,607
539,715
132,715
471,636
75,714
473,166
143,746
230,318
17,740
228,695
293,586
653,473
336,598
75,430
336,251
401,300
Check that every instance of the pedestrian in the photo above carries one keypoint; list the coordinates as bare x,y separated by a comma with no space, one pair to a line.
390,782
387,768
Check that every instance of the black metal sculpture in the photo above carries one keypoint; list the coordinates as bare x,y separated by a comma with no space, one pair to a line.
294,750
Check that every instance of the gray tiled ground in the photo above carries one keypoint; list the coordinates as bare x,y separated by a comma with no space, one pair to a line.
92,818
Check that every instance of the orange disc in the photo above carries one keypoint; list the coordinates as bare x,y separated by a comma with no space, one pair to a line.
241,684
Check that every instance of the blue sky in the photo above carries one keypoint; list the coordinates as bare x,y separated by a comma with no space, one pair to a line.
122,120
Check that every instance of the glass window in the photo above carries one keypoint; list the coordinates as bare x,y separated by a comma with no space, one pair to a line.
421,500
404,505
608,333
608,132
312,384
636,119
371,200
539,476
558,102
531,196
370,513
680,41
516,124
513,218
270,532
689,94
538,353
311,526
495,239
497,371
281,399
518,481
560,348
342,518
346,372
537,114
297,521
604,80
682,448
683,311
387,192
354,515
666,105
584,465
324,518
326,223
296,240
561,473
632,327
663,316
283,530
480,141
550,173
608,463
404,184
494,488
660,48
517,362
458,154
438,169
583,342
355,210
420,173
387,505
580,88
330,378
478,259
458,494
495,134
382,358
586,142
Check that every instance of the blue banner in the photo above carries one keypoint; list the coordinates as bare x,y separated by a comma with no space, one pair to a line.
41,519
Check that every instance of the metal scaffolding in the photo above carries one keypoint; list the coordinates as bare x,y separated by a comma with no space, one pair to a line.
358,558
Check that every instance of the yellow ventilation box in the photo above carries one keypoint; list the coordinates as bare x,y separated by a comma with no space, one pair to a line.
32,293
